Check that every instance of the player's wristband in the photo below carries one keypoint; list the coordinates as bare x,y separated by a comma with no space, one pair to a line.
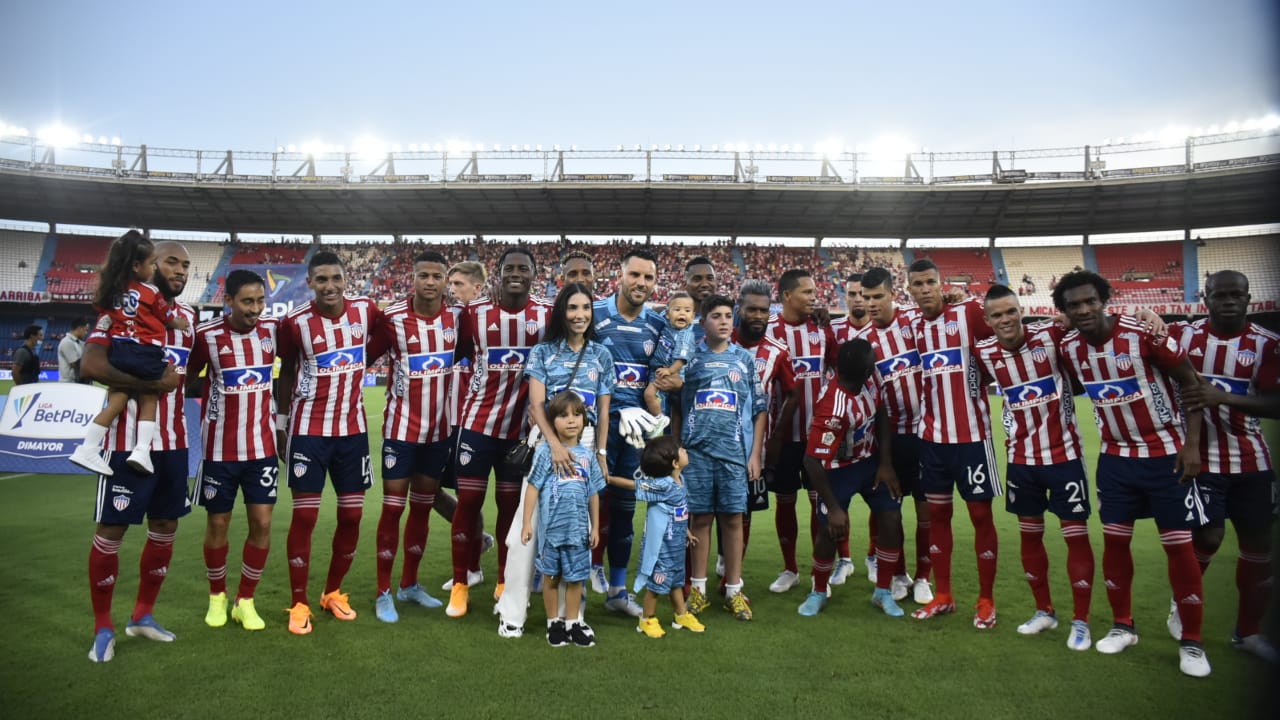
282,421
602,452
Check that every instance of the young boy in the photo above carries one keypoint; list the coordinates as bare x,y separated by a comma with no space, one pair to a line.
675,346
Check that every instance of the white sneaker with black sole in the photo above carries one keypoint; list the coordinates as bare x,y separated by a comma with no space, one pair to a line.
1119,638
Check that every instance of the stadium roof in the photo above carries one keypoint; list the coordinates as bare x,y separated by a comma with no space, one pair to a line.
1235,196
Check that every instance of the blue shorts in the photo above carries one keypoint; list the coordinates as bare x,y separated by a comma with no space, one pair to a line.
1062,489
1134,488
217,482
971,466
125,497
789,475
145,362
858,479
906,464
345,458
1247,499
479,454
401,459
669,572
570,563
714,485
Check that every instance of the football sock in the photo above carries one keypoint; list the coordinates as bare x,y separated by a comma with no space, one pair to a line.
822,573
154,566
1079,567
388,536
1185,580
345,538
104,566
416,529
215,568
252,562
940,541
1117,570
1253,580
986,545
471,494
813,518
306,509
886,559
1035,561
924,565
788,530
477,547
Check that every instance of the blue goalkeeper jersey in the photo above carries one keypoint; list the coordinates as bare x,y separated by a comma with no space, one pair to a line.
720,399
632,344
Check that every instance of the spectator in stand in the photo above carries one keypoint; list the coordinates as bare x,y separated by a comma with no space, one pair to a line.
26,364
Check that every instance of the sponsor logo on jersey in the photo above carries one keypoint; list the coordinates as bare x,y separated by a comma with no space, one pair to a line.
807,367
1031,394
891,369
1235,386
1124,362
1114,392
942,361
631,375
506,359
128,302
340,361
726,400
429,364
177,357
246,380
1245,358
588,397
680,512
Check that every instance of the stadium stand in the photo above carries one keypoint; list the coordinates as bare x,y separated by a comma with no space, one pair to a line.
1142,272
1043,266
205,257
845,261
962,266
76,260
20,254
286,252
1256,256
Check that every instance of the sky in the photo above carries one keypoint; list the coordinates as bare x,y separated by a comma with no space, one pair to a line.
943,75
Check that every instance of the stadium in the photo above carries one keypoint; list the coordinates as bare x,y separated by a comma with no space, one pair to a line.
1154,216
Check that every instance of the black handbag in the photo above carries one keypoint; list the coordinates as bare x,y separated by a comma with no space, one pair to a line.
520,457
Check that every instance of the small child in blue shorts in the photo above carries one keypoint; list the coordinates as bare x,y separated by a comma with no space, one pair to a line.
675,346
568,508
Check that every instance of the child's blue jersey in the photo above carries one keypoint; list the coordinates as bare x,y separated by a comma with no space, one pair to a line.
564,517
720,399
673,345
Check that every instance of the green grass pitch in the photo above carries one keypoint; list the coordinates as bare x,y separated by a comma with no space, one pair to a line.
850,660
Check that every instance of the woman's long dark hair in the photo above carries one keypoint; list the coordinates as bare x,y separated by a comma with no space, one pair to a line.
128,249
558,323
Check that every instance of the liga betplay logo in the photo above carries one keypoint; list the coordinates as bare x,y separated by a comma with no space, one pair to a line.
47,420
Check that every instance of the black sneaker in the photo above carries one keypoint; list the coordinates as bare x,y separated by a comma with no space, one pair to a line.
557,636
582,635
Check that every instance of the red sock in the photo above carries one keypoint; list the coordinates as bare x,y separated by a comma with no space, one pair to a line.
477,545
154,566
822,572
1079,567
388,536
345,538
471,492
1117,570
1185,580
415,536
1035,561
508,501
788,530
813,517
873,532
104,566
886,558
215,568
252,562
924,566
940,541
597,552
1253,580
306,509
899,567
986,545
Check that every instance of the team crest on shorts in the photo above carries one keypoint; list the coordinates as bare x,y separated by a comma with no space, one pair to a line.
648,347
210,492
120,502
464,457
1039,355
952,327
814,338
660,577
389,460
299,469
1245,358
1124,362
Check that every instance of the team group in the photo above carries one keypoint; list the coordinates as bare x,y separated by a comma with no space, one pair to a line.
696,411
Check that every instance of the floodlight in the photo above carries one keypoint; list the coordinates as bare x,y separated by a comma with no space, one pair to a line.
102,140
1231,127
773,147
697,148
279,148
413,147
786,148
619,148
439,147
798,148
58,136
538,148
395,147
653,147
1270,122
87,139
573,148
715,148
1213,130
667,147
759,147
557,147
680,148
637,147
526,148
115,141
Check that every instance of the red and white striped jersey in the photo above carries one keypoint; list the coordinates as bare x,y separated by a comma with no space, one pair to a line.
1039,410
955,408
498,341
1231,442
329,356
843,429
845,330
813,350
1133,399
422,371
898,369
239,413
170,414
773,363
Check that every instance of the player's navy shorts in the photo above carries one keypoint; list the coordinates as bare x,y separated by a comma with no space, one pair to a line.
571,563
1247,499
145,362
124,498
971,466
714,485
1134,488
401,459
449,476
218,480
345,458
858,479
479,454
906,464
789,474
1062,489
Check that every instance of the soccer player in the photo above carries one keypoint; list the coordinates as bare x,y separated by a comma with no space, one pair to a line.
420,334
842,458
700,283
630,330
897,372
1241,363
725,411
955,433
497,335
320,427
1044,470
238,350
812,347
125,497
577,267
1145,468
853,324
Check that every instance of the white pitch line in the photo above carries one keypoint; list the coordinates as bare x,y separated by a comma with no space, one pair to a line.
15,477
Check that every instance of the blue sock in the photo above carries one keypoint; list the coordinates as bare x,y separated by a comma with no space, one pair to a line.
618,577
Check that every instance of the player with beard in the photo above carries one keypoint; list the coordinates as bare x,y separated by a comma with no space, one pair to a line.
125,497
700,283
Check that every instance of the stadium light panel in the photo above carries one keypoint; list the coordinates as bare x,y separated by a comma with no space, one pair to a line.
573,148
667,147
1231,127
413,147
1271,122
526,148
759,147
619,148
116,141
773,147
786,148
1213,130
680,148
395,147
439,147
798,148
279,148
58,136
102,140
715,148
697,148
87,139
556,147
637,147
